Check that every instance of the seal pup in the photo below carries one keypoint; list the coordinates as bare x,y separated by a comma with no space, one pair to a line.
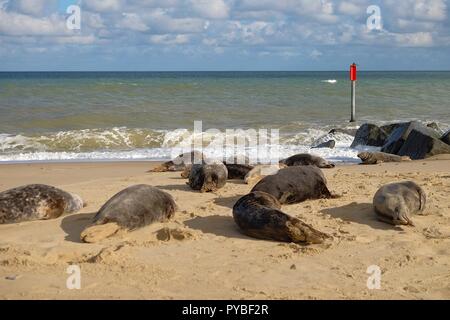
180,162
395,203
295,184
36,202
261,171
208,177
306,159
131,208
379,157
258,215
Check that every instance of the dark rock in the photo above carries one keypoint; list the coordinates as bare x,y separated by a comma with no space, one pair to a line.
389,128
369,135
420,145
328,144
446,137
400,134
350,132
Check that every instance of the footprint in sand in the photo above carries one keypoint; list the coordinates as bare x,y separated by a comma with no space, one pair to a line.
180,234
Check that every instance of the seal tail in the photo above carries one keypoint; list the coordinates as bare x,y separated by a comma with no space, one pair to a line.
96,233
258,215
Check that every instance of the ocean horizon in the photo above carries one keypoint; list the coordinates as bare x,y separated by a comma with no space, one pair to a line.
107,116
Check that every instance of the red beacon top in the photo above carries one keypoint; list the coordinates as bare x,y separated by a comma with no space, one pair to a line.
353,72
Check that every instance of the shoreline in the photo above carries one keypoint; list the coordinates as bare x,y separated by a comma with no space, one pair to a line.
207,257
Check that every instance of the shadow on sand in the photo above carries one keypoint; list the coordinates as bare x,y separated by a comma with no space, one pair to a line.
227,202
173,187
74,224
361,213
219,225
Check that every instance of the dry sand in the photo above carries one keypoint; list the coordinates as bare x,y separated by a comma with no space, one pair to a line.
202,255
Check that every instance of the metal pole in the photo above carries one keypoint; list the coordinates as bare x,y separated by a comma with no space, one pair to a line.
353,118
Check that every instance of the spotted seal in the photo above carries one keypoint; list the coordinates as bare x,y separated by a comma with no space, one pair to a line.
258,215
306,159
395,203
379,157
36,202
130,209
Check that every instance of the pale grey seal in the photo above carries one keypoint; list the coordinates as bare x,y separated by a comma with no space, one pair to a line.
131,208
395,203
181,161
379,157
261,171
258,215
36,202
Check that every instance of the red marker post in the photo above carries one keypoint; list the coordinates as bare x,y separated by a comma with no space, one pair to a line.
353,76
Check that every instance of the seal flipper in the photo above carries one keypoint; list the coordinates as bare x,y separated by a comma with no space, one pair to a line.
98,232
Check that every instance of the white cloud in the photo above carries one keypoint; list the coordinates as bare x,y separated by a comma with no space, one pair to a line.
168,39
211,9
103,5
132,21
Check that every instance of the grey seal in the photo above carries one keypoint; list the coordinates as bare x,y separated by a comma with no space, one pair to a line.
306,159
36,202
238,171
130,209
208,177
295,184
395,203
181,161
379,157
258,215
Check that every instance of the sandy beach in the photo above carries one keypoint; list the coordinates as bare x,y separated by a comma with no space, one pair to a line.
201,254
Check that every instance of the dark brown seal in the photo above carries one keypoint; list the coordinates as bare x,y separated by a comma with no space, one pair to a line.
295,184
258,215
306,159
208,177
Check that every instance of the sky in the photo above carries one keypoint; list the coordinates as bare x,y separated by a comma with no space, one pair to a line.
198,35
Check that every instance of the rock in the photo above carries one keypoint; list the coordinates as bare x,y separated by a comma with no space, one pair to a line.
389,128
369,135
350,132
434,125
329,144
400,134
420,145
446,137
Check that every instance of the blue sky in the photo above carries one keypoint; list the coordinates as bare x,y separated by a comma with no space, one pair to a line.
224,35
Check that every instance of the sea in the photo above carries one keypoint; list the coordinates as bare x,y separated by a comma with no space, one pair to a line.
115,116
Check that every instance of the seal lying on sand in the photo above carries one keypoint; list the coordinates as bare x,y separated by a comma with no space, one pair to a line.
258,215
261,171
36,202
131,208
395,203
306,159
180,162
208,177
238,171
379,157
295,184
